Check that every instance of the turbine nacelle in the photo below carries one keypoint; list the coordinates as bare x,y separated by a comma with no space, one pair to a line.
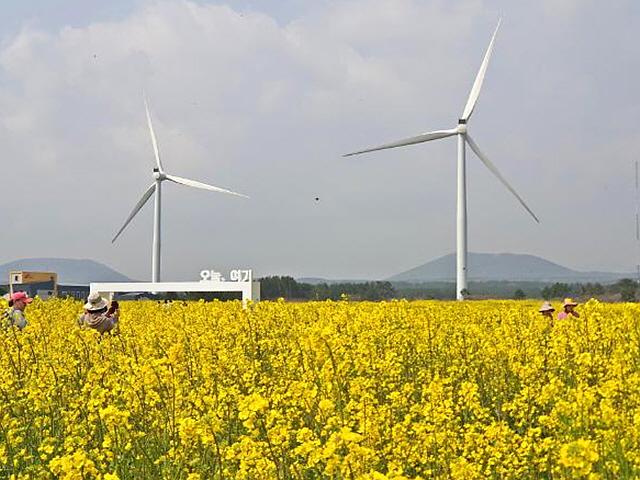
158,175
462,126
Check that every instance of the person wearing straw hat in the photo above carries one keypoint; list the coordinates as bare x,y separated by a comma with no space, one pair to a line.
547,310
568,309
14,317
98,315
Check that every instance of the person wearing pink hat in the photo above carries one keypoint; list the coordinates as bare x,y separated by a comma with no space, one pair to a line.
18,301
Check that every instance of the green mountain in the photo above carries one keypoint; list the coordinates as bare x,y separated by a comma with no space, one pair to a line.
502,267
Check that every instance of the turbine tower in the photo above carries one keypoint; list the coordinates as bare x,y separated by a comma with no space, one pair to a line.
463,138
637,227
159,176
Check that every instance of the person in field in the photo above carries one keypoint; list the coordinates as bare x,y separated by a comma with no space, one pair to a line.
98,315
14,316
568,309
547,310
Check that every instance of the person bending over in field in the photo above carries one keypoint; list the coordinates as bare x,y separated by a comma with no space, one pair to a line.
569,309
14,317
98,314
547,310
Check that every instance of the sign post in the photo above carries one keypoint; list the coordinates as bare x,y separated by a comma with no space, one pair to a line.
210,281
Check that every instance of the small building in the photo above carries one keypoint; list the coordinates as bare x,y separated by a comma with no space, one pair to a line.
44,285
79,292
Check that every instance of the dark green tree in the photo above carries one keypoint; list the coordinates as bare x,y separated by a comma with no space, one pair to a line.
627,289
591,289
557,290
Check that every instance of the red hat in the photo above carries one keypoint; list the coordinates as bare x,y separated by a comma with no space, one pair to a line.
21,296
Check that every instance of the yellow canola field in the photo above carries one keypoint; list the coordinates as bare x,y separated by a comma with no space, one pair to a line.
391,390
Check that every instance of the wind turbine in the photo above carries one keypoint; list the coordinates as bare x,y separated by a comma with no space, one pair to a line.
159,176
463,137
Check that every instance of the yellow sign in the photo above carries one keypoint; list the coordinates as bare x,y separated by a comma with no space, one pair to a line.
35,277
23,278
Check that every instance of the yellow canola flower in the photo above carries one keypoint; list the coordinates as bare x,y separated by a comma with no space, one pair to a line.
392,390
579,456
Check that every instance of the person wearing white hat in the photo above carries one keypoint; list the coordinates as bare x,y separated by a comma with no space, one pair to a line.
98,314
568,309
547,310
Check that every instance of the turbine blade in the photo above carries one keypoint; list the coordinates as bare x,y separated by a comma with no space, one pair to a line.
425,137
145,196
477,84
154,141
495,171
204,186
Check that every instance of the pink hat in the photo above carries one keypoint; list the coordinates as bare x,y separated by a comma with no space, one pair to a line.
21,296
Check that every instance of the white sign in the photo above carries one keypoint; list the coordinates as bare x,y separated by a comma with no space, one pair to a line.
240,275
237,275
211,276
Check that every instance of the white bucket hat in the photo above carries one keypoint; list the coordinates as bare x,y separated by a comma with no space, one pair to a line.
546,307
95,302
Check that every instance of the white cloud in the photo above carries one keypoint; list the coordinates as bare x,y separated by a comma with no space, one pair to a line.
563,9
242,101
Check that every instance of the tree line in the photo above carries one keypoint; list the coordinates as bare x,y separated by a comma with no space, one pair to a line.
275,287
626,289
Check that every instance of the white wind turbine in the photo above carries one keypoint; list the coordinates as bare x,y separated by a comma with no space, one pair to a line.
463,136
159,176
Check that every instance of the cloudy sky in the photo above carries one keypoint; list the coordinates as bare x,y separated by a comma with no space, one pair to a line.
263,97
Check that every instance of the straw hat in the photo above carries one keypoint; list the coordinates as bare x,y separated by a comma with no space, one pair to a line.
546,307
95,302
569,302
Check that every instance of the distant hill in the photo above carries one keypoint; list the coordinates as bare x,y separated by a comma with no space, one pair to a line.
502,266
70,271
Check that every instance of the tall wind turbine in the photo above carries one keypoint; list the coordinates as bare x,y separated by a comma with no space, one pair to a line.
159,176
463,136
